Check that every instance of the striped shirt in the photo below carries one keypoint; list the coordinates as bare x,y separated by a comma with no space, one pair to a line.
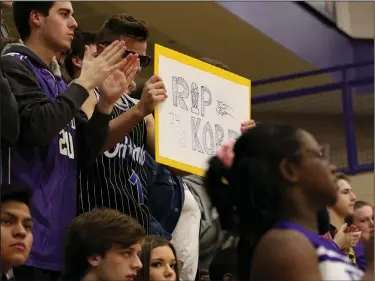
333,264
118,179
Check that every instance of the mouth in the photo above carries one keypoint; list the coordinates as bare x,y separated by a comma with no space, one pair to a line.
19,246
131,277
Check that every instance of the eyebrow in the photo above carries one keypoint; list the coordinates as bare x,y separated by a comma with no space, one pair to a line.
69,11
161,259
27,219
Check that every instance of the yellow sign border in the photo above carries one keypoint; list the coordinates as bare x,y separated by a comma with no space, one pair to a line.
182,58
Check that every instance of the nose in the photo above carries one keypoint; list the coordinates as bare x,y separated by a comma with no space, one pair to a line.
168,271
19,230
371,223
353,197
137,264
74,23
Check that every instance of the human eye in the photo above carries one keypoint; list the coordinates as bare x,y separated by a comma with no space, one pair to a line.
156,264
28,226
127,253
6,222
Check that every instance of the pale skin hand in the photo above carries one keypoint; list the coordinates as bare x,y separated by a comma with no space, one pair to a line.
117,83
347,237
96,69
113,87
247,125
154,92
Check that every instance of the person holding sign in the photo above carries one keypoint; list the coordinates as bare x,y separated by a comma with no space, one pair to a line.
118,178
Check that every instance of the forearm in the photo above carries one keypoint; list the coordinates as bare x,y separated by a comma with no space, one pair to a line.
93,135
122,126
150,126
88,106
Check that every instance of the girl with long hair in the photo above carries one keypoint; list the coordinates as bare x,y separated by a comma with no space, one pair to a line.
269,188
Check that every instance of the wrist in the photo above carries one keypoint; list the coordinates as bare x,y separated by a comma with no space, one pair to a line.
140,110
85,83
104,106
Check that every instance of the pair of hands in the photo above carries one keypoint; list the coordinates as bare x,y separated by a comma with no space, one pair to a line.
347,236
121,80
114,74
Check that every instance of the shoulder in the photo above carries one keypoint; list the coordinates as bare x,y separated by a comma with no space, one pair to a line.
285,252
13,58
284,239
15,63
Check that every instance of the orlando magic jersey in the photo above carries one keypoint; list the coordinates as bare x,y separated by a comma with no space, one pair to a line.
333,264
117,180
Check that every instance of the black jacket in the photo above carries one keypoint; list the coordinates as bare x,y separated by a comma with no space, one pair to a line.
41,119
10,128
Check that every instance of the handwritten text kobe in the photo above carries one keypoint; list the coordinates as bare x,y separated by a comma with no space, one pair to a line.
205,137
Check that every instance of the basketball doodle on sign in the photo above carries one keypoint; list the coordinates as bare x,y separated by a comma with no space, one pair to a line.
222,109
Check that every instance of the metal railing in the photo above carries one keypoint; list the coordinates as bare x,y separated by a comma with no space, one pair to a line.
345,85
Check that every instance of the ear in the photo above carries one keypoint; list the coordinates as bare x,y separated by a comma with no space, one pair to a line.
77,62
94,260
35,18
289,171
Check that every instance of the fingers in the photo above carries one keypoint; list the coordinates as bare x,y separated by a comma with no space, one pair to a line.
154,79
356,235
343,227
87,55
159,98
130,76
116,55
157,85
131,67
250,122
117,66
109,48
132,62
158,92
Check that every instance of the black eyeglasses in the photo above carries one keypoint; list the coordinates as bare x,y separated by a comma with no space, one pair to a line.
143,60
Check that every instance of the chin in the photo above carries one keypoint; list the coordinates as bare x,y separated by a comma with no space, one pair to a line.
17,260
63,47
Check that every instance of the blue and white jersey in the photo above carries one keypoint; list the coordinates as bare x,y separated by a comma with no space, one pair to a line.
118,179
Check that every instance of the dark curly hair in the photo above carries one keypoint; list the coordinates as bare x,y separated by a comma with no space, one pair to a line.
247,196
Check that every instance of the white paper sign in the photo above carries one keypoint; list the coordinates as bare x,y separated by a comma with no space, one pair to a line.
202,111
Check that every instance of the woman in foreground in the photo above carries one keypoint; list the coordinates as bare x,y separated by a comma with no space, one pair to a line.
270,189
159,260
